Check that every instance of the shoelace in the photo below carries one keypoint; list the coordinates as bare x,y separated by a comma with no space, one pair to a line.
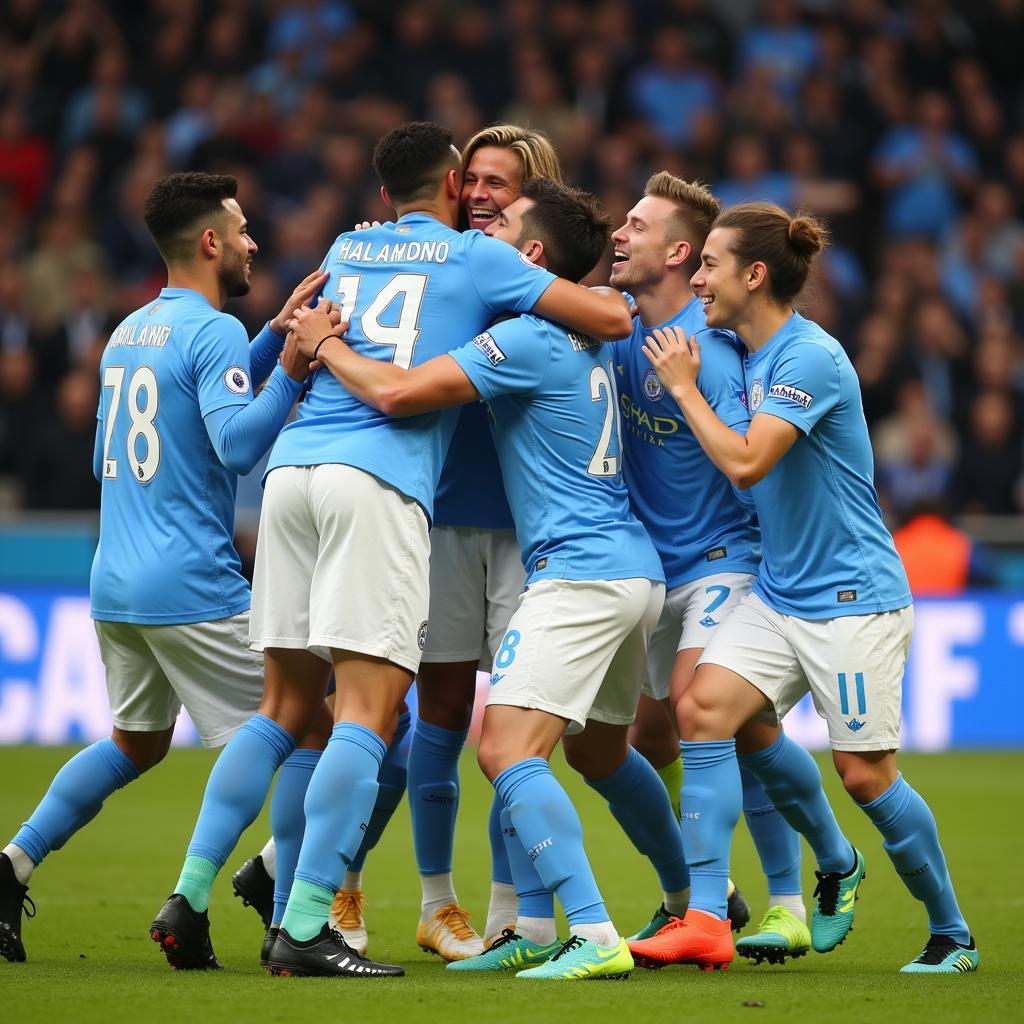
349,903
507,935
339,940
574,942
456,920
936,949
26,902
775,920
828,888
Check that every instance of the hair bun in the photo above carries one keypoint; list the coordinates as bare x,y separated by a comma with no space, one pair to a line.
806,236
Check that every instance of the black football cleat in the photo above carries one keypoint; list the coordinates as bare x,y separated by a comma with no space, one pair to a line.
184,936
326,955
737,911
268,944
13,899
255,888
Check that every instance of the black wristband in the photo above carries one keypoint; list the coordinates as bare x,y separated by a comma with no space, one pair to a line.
316,351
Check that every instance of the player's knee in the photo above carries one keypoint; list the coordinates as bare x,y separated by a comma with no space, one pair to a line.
700,715
490,758
144,749
446,703
863,780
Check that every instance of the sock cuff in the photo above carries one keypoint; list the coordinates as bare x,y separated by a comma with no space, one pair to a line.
279,738
360,736
303,758
623,776
446,739
512,778
122,766
707,753
762,759
885,809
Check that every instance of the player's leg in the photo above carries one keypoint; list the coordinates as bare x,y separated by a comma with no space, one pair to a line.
654,736
857,682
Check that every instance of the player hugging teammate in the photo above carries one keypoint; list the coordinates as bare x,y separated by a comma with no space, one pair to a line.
732,402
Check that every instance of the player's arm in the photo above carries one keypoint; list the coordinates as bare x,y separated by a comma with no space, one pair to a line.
436,384
745,459
266,347
600,312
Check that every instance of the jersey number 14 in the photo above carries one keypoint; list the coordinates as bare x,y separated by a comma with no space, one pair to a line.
141,424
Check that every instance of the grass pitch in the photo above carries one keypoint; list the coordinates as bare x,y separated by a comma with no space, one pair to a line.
90,958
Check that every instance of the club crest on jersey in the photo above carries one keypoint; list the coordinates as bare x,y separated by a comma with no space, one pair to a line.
236,380
789,393
652,386
486,343
756,394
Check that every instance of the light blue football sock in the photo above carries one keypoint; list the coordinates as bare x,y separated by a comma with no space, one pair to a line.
911,839
391,783
535,898
434,794
711,800
793,783
777,845
339,804
75,797
235,793
288,820
501,870
550,831
641,805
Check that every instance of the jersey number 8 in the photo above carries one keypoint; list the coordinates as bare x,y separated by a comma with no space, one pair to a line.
141,425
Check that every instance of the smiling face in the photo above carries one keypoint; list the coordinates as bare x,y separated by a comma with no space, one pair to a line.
720,284
492,181
508,223
641,248
237,252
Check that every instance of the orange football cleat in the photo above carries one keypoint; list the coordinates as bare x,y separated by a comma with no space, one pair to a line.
696,938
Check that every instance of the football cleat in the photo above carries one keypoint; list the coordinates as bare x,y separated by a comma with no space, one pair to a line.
255,888
737,910
184,936
13,899
944,955
781,935
268,944
509,952
697,938
326,955
661,918
583,960
449,934
832,920
347,917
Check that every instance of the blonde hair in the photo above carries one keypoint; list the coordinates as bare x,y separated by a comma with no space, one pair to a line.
696,208
533,147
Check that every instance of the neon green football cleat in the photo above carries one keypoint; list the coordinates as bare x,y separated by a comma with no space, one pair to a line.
583,960
510,952
944,955
833,916
661,918
781,935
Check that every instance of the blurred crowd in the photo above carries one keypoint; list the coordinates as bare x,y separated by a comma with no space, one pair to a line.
901,123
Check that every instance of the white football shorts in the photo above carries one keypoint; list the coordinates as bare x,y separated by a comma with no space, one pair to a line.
692,613
853,666
576,649
207,666
341,562
476,577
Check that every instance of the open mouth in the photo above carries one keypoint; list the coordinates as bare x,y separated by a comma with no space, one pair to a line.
619,259
480,216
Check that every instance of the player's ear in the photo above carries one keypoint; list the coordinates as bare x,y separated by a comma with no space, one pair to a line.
453,183
756,275
209,243
533,250
387,199
679,254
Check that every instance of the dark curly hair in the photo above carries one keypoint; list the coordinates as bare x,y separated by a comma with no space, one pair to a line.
179,204
412,159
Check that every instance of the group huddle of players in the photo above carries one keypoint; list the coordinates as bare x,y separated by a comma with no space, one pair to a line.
646,510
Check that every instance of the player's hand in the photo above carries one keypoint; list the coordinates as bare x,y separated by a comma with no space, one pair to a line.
293,362
675,360
302,296
310,326
364,224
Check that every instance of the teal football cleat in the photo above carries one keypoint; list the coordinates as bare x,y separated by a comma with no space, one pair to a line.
509,952
661,918
583,960
944,955
833,916
781,935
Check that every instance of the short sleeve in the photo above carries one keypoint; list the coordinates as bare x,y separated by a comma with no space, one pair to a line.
504,278
219,357
721,379
804,386
510,358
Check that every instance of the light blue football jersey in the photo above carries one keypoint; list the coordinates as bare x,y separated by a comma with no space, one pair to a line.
826,550
410,290
167,509
552,398
689,507
471,491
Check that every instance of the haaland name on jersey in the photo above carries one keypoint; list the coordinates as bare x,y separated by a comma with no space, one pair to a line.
352,251
153,335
